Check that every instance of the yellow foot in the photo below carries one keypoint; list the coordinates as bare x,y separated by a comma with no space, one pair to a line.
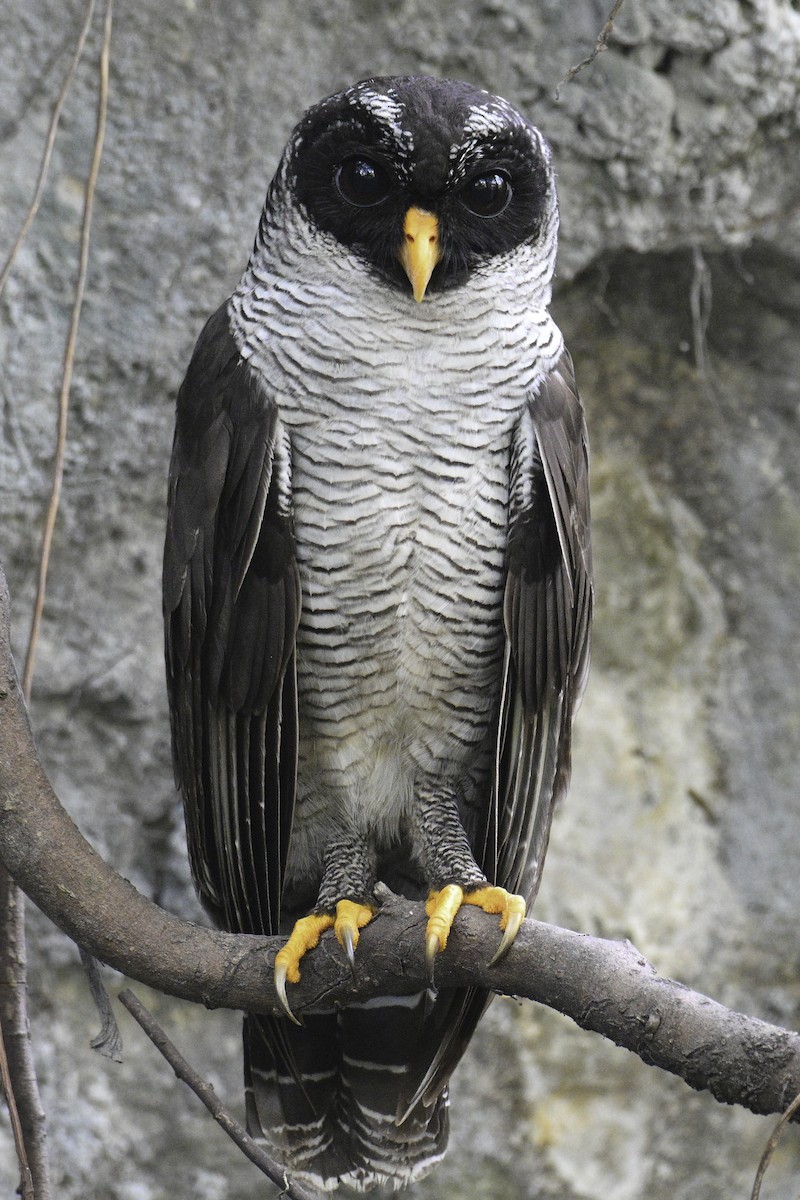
442,907
304,937
350,918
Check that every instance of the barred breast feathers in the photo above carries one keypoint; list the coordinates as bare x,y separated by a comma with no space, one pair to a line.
401,417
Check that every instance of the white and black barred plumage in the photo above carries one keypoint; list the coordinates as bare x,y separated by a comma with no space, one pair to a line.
377,582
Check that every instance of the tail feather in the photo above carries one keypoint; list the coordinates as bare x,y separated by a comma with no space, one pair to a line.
328,1097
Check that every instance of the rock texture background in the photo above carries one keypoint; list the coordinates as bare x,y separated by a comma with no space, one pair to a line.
679,295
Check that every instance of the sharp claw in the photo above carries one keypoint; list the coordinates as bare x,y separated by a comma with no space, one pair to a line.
280,988
431,993
432,947
349,947
507,940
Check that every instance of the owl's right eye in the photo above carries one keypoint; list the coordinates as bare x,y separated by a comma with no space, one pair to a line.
362,182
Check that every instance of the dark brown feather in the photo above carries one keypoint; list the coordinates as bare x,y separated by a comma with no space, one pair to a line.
231,609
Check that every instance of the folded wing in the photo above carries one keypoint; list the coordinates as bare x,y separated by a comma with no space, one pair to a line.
231,608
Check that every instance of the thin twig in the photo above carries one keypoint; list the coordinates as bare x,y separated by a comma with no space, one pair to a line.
48,147
22,1087
26,1178
600,45
205,1092
69,358
700,296
26,1181
769,1149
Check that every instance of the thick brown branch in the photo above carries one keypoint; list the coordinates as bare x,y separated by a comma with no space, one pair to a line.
603,986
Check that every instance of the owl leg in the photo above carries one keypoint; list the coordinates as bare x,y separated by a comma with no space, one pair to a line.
344,904
453,875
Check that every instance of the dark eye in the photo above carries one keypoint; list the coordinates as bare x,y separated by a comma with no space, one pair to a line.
486,195
362,182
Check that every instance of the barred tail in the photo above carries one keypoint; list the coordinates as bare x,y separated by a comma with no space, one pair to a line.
328,1097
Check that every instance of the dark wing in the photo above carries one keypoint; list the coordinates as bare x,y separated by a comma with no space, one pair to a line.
231,608
547,609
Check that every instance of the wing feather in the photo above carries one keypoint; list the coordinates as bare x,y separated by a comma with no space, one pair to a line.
548,605
231,609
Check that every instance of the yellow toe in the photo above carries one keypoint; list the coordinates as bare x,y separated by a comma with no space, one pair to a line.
441,908
351,917
510,907
498,900
304,937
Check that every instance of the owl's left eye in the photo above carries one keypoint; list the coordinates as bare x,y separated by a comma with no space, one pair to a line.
487,195
362,182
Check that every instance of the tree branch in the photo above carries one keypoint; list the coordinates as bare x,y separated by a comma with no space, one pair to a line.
604,986
600,45
771,1146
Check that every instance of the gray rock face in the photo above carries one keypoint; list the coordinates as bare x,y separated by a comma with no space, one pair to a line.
678,294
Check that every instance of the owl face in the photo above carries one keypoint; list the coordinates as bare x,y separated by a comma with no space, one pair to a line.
425,179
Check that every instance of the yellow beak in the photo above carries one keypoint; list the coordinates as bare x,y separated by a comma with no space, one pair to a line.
420,250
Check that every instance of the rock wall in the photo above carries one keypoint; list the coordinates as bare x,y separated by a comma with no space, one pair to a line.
678,293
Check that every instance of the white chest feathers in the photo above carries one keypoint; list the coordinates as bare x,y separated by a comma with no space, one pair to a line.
400,418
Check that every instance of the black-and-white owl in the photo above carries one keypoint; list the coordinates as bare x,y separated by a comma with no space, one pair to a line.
377,588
